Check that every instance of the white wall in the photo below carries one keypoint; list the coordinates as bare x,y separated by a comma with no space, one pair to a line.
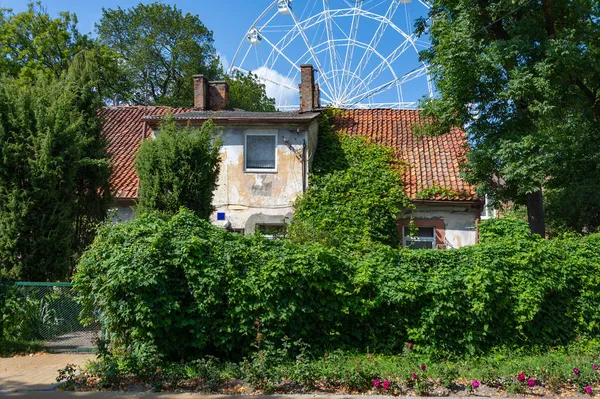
460,222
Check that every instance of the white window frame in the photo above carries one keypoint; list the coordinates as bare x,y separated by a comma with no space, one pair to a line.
269,132
406,238
491,212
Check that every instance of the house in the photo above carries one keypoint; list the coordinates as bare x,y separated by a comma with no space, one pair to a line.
266,159
447,208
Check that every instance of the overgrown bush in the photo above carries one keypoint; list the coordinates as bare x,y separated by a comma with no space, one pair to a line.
355,195
180,288
512,228
179,168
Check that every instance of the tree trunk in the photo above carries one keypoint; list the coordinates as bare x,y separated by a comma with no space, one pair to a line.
535,213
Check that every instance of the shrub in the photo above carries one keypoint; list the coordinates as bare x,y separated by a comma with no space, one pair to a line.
179,168
181,289
355,196
505,228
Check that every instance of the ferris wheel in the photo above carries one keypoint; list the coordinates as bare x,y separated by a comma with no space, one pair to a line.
365,52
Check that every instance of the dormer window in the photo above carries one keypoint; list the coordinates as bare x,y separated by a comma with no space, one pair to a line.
261,152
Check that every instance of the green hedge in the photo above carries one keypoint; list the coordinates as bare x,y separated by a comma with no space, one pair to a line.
182,288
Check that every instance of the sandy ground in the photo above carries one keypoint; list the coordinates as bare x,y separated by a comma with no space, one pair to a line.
37,371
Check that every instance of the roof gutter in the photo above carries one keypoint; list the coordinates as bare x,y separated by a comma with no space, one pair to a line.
448,202
238,120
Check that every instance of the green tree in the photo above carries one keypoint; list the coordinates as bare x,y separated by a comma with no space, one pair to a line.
160,48
53,172
32,42
248,93
571,194
356,193
521,77
179,169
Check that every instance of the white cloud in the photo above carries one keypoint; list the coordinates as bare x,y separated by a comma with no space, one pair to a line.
224,61
279,87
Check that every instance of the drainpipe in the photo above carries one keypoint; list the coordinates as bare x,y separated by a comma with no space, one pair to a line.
304,167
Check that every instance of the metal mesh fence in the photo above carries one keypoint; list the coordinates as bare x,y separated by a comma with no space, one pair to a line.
45,312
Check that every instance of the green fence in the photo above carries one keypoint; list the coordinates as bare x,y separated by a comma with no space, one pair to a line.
46,312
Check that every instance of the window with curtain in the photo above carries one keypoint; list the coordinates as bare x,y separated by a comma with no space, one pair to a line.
261,151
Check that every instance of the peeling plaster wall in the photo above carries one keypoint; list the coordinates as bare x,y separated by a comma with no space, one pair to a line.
460,222
250,198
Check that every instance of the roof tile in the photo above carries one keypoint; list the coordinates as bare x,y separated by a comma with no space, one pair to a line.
431,160
123,128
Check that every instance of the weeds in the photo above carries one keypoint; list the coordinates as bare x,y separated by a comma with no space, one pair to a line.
291,367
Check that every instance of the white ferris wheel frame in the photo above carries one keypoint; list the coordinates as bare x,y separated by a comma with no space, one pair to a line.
341,87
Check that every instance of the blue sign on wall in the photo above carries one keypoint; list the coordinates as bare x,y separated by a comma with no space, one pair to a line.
220,215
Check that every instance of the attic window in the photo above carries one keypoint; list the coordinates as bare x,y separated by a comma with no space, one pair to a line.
260,154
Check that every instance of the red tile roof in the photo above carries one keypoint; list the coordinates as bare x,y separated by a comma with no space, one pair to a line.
123,128
432,161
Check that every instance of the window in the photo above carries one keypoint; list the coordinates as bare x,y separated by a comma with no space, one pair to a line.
261,152
488,211
425,238
272,231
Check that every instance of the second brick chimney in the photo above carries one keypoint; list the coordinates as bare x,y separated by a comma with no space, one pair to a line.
210,96
309,91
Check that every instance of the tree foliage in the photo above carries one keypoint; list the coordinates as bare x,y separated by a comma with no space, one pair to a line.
248,93
32,42
53,172
179,169
356,192
160,48
524,79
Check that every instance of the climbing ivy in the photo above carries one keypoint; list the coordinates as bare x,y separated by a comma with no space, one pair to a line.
356,192
438,192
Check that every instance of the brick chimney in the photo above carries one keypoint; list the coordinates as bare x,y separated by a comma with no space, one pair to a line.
210,96
309,91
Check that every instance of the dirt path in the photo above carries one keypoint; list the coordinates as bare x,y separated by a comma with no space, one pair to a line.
35,372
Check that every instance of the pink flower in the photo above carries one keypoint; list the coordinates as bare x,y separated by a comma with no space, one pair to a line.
414,376
531,382
521,377
386,384
588,390
475,384
376,383
423,367
595,367
576,371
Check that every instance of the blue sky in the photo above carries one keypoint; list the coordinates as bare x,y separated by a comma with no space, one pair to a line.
230,21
